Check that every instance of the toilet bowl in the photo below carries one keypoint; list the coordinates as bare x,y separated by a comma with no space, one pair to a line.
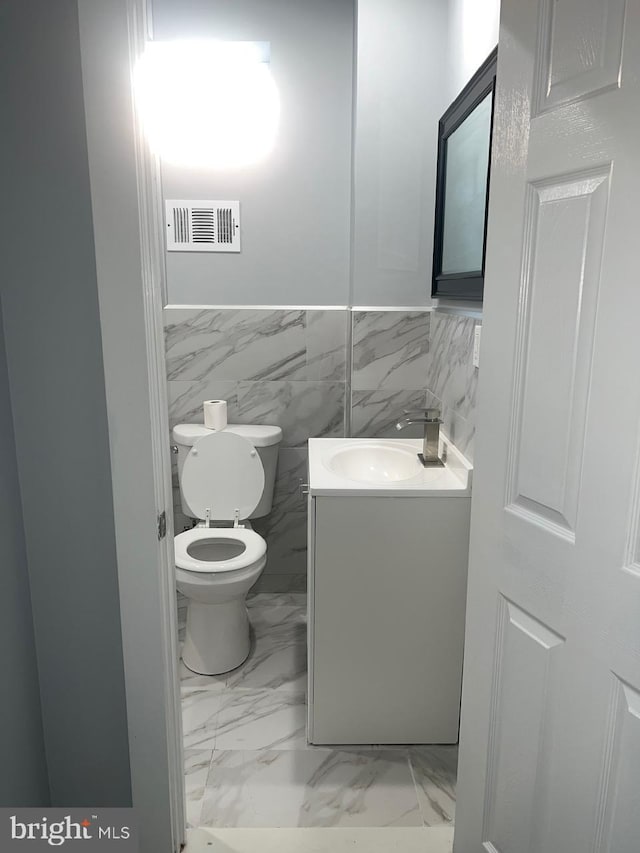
222,480
215,569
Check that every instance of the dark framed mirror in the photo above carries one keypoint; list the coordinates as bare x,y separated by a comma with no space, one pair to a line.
462,188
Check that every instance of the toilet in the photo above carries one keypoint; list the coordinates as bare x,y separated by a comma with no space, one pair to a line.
226,478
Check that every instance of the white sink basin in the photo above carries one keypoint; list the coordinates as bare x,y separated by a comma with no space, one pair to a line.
372,462
384,466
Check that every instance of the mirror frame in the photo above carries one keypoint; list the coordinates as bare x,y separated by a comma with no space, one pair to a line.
468,284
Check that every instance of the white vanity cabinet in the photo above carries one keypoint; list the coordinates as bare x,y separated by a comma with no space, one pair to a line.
387,586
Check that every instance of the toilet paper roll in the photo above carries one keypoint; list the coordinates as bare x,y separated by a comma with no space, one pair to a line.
215,414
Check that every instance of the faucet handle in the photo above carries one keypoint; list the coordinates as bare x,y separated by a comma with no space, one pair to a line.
431,415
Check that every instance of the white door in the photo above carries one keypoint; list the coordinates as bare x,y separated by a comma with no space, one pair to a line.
550,734
126,212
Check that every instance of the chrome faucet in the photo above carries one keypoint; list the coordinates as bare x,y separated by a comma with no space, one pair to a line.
430,456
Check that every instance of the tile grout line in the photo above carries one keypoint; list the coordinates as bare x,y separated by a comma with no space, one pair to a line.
206,785
415,788
348,368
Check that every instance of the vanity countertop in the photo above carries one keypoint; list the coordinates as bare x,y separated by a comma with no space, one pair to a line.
325,478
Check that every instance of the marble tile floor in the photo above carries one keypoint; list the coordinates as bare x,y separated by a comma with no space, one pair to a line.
432,839
248,764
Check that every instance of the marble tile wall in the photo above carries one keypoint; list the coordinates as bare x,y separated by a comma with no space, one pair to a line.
452,379
409,360
390,363
291,368
282,367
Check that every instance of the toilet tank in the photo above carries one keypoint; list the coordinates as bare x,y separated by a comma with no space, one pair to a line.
266,440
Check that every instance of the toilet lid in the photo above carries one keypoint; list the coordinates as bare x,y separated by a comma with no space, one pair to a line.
222,473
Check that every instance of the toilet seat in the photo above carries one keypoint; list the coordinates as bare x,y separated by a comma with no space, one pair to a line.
254,549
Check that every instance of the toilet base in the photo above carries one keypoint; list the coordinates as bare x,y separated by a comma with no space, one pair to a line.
217,638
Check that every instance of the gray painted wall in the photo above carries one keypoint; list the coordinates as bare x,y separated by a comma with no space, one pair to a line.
473,33
54,356
23,780
295,206
402,92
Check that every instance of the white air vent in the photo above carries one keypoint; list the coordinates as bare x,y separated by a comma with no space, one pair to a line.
202,226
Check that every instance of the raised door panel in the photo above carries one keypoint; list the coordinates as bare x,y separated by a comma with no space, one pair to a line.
632,557
618,829
559,297
579,50
525,652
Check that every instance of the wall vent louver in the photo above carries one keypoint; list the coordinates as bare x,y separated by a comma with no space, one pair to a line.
202,226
